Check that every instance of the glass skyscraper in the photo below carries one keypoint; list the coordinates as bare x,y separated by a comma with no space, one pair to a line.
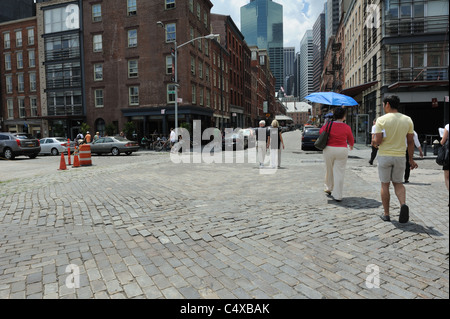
262,26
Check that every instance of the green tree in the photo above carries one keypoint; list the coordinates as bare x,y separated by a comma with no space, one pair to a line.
110,129
129,129
84,128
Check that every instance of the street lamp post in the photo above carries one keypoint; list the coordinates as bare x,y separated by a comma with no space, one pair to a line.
209,36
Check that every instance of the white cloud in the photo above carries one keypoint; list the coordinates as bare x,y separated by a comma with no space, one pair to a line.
295,20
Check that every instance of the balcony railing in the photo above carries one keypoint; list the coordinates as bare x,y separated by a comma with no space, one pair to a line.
415,74
416,26
64,110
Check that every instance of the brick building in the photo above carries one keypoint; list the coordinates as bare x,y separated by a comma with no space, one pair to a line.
20,97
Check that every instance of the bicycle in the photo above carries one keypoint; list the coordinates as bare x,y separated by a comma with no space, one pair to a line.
162,145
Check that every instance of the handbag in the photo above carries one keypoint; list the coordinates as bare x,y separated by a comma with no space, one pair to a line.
442,157
322,141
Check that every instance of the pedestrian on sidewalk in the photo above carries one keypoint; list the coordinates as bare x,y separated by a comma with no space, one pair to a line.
261,142
391,152
335,153
275,141
445,166
373,144
408,167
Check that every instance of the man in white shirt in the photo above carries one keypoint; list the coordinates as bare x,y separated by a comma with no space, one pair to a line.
173,137
419,147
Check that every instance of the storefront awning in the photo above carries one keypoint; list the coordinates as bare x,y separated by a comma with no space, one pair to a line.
355,90
167,110
412,84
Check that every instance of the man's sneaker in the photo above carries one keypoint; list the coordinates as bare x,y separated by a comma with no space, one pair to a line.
404,214
385,218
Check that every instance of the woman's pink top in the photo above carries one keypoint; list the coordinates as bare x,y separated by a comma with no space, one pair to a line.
340,135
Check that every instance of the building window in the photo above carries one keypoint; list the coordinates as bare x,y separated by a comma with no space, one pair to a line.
132,38
171,93
33,106
98,72
10,106
133,95
19,60
8,61
22,112
98,98
131,8
133,68
194,94
171,32
200,69
6,40
58,19
207,73
191,6
30,36
198,11
205,19
98,43
9,85
18,39
96,12
201,96
31,59
169,64
192,65
33,82
170,4
208,98
20,82
206,48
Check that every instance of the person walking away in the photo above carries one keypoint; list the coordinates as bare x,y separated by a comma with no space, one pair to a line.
261,142
96,136
446,165
391,152
416,144
79,139
335,154
275,141
173,137
374,152
88,138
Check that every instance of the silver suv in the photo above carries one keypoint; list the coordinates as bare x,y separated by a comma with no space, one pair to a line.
16,144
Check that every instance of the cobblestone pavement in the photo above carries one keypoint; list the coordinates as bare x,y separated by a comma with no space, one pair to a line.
141,226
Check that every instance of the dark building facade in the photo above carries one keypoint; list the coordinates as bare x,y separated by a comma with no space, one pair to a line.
16,9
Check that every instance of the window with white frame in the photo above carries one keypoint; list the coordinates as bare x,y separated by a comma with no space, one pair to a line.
10,107
19,38
170,4
133,69
98,72
171,32
133,95
198,11
194,94
192,65
207,73
30,36
9,84
171,93
31,59
206,48
191,6
19,60
169,64
131,7
200,97
33,86
33,106
98,98
8,61
21,102
200,69
208,98
6,40
96,12
98,43
205,19
20,82
132,38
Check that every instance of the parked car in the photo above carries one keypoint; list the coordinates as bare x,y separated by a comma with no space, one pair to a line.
234,141
54,145
309,137
16,144
114,145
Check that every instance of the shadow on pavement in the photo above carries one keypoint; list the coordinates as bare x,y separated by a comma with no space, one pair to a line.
416,228
356,202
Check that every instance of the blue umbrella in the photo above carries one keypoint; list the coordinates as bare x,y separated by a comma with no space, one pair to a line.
331,98
329,114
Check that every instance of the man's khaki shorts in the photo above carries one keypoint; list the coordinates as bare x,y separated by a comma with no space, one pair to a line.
391,169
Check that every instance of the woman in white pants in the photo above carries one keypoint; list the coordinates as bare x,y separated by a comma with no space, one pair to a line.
275,142
336,153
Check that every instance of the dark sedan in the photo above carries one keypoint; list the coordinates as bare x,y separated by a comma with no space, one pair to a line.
309,138
114,145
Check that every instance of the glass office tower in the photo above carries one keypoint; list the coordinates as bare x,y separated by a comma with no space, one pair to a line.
262,26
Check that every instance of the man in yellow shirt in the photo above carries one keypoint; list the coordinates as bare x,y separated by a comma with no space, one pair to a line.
390,132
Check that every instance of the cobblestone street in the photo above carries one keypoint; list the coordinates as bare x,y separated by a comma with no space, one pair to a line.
141,226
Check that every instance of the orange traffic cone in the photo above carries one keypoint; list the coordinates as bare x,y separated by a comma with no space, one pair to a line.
76,161
62,163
